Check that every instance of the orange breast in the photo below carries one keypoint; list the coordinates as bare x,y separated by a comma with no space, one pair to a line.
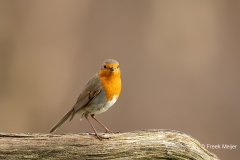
111,84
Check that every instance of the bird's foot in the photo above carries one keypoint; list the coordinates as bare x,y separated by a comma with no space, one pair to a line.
113,132
99,136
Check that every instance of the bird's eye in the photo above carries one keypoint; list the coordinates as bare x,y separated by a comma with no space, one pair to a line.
105,66
117,66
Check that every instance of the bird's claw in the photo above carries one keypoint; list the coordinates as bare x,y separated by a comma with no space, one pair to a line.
108,131
99,136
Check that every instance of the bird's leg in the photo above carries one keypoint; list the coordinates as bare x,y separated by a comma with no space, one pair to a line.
107,130
96,133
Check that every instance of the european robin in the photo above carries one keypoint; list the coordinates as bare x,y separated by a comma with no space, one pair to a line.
99,94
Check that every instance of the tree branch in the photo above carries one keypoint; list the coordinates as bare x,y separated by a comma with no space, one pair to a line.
145,144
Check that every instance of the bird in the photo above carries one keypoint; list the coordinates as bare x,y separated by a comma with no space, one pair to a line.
98,95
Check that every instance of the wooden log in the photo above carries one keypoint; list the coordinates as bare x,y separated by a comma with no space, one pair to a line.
144,144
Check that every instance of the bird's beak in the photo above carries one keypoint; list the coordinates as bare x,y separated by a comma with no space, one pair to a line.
112,69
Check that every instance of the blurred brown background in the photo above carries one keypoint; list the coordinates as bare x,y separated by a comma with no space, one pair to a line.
180,63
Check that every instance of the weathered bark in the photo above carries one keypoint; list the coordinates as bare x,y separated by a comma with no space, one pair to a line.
145,144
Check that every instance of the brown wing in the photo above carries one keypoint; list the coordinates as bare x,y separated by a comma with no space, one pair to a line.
92,88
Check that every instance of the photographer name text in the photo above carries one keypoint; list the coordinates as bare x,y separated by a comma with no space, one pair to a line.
219,146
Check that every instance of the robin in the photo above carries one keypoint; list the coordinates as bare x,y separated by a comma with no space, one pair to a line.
99,94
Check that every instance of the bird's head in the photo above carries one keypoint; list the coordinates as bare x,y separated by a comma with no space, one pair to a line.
110,67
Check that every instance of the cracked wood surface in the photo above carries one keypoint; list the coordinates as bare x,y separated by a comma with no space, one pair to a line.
144,144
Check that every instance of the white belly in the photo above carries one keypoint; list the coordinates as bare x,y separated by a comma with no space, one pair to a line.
107,105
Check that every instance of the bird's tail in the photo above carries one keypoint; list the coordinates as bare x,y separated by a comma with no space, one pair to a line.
54,128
